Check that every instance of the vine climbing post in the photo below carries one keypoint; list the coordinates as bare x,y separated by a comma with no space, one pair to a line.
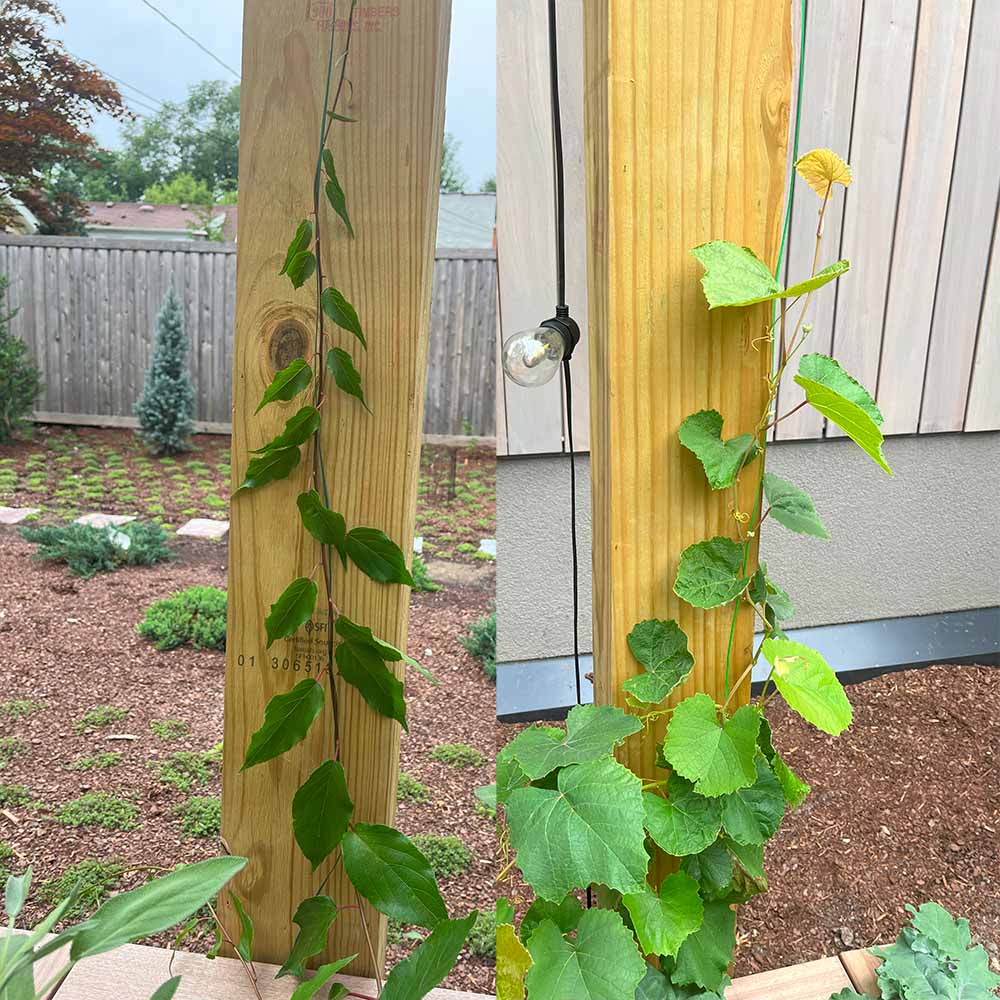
388,156
687,131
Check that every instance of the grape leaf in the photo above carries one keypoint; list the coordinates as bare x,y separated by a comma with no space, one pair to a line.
822,277
600,963
712,869
315,917
662,921
565,915
592,732
389,871
710,573
287,383
377,556
661,647
701,433
321,811
344,373
513,962
704,956
718,758
809,685
362,667
589,829
793,787
342,313
686,822
752,815
298,430
269,467
291,610
509,775
792,507
821,169
287,718
842,399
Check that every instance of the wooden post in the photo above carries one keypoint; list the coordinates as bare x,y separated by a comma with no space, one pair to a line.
389,165
687,108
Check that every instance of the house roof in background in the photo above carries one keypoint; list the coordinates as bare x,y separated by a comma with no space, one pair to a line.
139,215
467,221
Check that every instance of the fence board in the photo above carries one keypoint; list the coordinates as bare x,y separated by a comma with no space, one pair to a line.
87,310
983,412
968,234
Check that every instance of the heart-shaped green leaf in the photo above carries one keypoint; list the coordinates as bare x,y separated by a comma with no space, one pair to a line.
661,647
685,822
793,787
792,507
752,815
701,433
710,573
663,920
704,956
809,685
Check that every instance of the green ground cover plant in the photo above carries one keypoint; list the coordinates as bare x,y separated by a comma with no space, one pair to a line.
88,551
483,937
200,816
20,708
99,717
8,860
184,769
457,755
170,729
408,789
10,747
421,578
481,642
576,818
99,809
14,796
87,884
195,616
96,762
448,856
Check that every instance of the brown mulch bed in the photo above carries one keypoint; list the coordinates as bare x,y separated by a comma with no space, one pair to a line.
71,644
905,808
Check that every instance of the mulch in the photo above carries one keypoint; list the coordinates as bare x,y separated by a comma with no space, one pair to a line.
71,644
905,808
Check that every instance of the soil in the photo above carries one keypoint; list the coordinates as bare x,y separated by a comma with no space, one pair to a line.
71,644
905,808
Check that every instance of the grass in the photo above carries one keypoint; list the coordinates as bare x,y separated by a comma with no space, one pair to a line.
90,881
481,642
200,816
96,762
457,755
411,790
447,856
99,809
99,717
170,729
20,708
10,747
184,769
14,795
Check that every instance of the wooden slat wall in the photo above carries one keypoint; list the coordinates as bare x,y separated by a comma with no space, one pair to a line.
907,91
87,310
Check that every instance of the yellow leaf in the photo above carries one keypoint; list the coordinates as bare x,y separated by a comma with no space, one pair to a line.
513,962
822,168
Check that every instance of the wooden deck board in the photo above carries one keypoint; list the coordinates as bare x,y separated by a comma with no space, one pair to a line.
860,967
809,981
135,971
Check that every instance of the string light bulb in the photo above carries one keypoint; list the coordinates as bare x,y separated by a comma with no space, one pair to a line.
532,357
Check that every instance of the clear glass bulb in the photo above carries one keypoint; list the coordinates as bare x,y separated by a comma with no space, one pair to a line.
532,357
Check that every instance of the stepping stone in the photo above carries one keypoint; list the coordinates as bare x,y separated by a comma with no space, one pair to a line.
105,520
204,527
418,544
14,515
489,546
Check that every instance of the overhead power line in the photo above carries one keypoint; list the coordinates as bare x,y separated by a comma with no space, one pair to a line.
191,38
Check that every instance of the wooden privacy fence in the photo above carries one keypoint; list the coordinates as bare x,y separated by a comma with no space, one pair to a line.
87,310
908,92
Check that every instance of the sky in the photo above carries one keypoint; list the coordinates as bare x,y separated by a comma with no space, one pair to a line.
132,42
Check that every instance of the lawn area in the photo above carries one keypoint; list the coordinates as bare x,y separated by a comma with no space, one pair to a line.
110,749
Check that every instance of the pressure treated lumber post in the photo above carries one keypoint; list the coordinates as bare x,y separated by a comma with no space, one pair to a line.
388,164
686,114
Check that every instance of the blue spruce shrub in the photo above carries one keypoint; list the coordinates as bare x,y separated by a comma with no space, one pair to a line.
167,402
